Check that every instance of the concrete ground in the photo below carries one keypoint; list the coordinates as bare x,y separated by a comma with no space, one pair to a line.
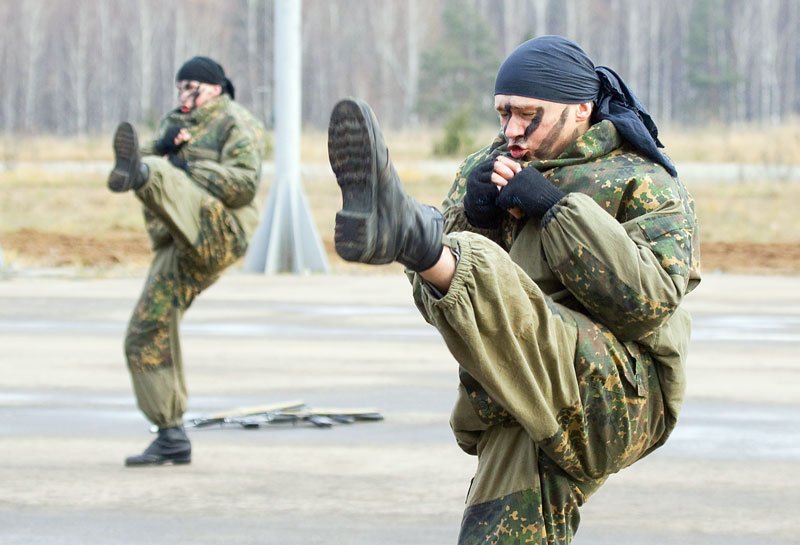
729,474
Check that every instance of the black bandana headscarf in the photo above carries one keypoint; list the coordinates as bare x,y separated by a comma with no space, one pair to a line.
205,70
555,69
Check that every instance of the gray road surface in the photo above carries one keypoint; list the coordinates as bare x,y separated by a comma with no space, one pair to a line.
729,474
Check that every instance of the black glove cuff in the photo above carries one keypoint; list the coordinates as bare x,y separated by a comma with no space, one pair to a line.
480,200
531,192
549,196
179,162
166,144
487,220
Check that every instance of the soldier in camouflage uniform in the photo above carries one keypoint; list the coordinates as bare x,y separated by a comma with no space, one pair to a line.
555,276
197,182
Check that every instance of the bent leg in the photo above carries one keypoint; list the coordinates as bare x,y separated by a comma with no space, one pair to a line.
506,335
552,402
621,416
203,229
152,342
593,402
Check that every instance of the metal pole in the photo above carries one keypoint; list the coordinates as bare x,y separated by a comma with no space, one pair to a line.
286,239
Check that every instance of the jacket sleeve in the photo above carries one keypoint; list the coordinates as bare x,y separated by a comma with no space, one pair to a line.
234,178
631,276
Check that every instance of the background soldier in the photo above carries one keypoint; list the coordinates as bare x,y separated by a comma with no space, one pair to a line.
197,182
555,276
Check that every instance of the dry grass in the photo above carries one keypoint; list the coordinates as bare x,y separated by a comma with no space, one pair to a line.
771,145
748,212
21,148
778,144
76,204
38,201
70,204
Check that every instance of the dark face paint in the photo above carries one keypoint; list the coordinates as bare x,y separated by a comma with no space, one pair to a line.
551,139
507,109
534,124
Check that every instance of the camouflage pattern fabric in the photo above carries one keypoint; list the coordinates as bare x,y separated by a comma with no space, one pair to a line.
569,335
199,224
224,155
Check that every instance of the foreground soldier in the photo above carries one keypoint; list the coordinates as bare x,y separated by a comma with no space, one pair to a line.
197,182
555,276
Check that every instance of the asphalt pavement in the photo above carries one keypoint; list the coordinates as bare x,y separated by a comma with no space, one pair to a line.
729,474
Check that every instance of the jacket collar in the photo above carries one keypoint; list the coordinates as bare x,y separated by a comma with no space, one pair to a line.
601,139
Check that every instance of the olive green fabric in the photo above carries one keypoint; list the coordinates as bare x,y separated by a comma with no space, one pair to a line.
199,224
224,157
569,336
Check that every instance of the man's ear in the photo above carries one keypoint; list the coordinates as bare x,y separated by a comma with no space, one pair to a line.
583,112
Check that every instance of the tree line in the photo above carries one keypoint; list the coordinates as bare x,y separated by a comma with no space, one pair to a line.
75,67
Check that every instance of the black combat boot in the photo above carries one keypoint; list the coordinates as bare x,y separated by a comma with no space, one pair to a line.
378,223
171,446
128,172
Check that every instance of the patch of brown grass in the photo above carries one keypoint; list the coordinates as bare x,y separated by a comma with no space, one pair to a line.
55,218
24,148
764,212
759,144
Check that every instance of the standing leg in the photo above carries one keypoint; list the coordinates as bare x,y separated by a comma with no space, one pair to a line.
153,352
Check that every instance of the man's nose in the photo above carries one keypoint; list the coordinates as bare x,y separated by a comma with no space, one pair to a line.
514,128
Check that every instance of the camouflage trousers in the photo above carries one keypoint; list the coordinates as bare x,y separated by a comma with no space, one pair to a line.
550,401
195,238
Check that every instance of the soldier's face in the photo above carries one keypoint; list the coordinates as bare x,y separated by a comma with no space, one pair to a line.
193,94
538,129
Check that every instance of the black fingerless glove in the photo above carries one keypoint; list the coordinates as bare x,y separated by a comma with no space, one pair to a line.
480,200
179,162
166,144
529,191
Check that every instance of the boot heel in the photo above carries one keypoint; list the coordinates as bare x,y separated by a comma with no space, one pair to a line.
350,235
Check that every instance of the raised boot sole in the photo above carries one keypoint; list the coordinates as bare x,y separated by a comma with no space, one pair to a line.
352,159
126,159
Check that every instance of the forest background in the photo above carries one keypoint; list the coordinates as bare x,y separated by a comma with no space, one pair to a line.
719,76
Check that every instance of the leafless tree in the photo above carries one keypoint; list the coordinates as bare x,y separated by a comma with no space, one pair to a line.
79,66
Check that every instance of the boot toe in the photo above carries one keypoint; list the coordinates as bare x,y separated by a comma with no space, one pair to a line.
146,459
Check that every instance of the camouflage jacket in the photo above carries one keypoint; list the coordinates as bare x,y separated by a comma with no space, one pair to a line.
620,247
224,156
